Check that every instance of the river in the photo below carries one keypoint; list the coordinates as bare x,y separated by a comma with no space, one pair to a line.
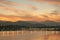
29,35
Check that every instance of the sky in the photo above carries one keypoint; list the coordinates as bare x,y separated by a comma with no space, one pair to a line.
30,10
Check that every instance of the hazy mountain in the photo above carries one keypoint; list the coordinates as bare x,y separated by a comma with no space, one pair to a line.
31,23
23,23
51,23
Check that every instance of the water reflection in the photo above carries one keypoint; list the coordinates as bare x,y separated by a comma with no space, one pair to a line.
29,35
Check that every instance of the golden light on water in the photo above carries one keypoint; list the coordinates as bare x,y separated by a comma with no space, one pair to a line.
31,35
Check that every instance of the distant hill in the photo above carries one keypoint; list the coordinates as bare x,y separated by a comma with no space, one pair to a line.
23,23
29,25
32,23
51,23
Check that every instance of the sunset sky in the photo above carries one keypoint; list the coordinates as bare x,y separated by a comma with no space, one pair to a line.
30,10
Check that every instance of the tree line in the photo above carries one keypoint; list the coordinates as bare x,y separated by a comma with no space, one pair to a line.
22,27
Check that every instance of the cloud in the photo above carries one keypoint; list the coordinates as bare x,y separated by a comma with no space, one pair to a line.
15,7
17,18
12,13
10,16
48,1
53,17
53,0
27,16
54,13
10,3
33,18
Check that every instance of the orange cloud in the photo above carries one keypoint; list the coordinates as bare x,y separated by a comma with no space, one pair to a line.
48,1
18,12
53,18
24,15
33,18
28,16
9,7
10,3
17,18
